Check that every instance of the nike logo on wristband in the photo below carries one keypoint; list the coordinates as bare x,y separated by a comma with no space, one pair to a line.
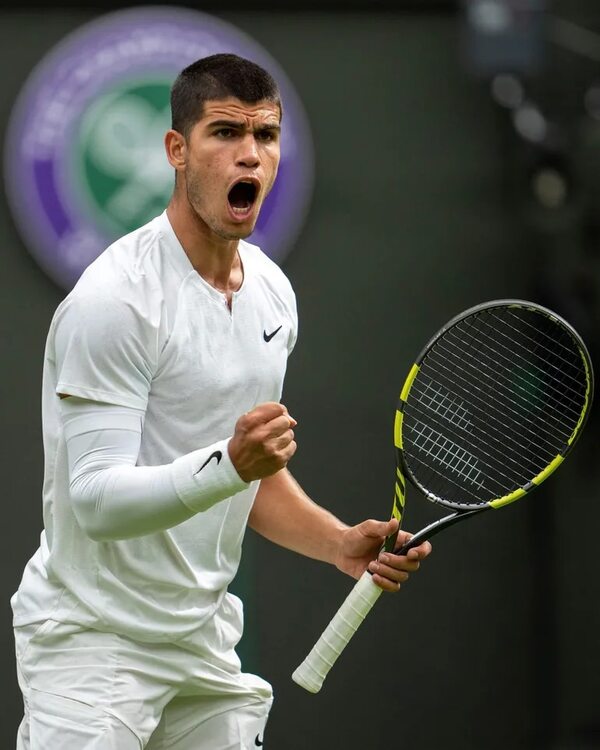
215,454
268,336
257,741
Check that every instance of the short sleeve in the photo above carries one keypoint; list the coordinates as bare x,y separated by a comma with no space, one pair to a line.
104,349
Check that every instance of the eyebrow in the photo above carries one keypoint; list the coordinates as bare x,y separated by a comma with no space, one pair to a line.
238,125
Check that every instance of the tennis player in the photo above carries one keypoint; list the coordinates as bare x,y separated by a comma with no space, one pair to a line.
164,436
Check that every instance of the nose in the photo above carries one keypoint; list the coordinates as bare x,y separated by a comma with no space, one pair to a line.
248,152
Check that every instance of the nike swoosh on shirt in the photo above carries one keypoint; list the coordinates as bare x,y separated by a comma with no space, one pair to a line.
257,741
268,336
215,454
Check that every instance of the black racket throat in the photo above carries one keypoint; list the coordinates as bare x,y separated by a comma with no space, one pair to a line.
435,527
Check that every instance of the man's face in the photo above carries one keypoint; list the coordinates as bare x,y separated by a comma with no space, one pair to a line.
232,159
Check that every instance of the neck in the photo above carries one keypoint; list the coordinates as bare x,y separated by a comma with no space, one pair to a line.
216,259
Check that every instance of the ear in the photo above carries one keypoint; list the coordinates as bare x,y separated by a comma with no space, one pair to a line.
176,148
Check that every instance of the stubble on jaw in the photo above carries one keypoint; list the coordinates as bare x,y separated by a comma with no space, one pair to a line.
194,194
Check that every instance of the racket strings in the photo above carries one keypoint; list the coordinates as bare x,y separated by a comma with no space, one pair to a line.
450,455
497,397
443,475
452,458
539,340
441,457
537,344
555,344
513,387
484,397
490,392
517,375
499,445
560,369
511,350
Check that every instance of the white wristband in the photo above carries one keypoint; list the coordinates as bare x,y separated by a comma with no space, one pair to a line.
206,476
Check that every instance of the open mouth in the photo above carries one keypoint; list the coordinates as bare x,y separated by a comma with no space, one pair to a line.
242,196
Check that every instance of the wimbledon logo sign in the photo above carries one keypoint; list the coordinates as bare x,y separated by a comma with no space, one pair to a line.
84,156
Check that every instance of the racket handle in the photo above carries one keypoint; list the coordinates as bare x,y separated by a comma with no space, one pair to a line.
313,670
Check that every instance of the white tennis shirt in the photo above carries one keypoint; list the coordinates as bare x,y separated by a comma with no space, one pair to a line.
141,328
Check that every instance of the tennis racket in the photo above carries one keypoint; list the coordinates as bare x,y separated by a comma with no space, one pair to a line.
490,409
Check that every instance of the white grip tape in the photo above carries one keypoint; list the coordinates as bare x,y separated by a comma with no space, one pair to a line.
313,670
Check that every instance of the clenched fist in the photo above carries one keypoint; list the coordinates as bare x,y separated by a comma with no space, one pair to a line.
263,441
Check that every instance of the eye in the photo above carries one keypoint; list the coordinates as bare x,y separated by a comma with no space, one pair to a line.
225,133
266,136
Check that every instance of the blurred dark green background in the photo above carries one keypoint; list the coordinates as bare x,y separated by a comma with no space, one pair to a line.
431,195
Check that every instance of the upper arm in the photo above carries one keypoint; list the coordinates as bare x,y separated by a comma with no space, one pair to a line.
104,350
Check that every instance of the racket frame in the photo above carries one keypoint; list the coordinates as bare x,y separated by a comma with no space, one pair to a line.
463,509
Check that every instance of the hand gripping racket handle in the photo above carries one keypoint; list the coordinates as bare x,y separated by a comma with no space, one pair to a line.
313,670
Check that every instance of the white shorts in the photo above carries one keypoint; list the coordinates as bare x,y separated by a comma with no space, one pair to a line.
88,690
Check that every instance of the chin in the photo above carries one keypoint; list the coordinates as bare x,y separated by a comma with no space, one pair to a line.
238,231
238,234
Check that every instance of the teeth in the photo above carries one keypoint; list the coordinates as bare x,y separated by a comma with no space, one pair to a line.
241,205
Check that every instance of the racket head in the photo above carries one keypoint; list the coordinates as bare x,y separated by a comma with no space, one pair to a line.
493,404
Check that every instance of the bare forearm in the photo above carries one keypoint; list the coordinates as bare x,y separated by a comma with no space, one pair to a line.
284,514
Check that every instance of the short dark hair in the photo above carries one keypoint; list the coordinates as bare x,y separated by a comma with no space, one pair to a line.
218,76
